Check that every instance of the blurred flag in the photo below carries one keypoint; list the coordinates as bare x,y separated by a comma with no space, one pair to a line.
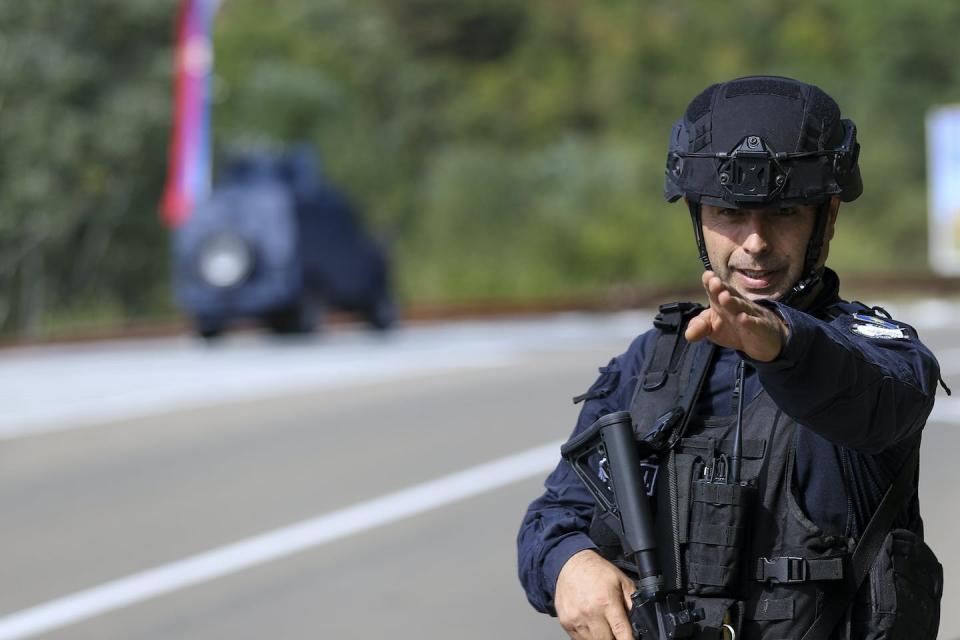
188,171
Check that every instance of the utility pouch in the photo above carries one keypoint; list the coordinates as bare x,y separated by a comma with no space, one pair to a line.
901,599
719,520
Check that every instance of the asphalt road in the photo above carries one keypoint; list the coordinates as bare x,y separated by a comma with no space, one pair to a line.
265,489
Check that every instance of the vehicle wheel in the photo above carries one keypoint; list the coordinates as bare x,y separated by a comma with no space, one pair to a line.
384,313
208,328
295,319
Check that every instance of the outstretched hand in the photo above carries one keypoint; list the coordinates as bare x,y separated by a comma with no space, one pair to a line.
737,323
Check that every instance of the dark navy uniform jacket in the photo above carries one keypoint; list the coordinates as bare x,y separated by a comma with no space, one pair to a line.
862,400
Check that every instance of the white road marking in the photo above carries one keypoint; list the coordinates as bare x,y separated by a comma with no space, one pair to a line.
279,543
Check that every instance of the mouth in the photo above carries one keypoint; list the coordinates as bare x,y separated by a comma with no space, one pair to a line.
757,279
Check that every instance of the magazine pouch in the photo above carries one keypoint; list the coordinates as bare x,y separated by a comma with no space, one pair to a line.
719,522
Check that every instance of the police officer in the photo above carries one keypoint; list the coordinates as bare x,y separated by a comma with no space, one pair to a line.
818,403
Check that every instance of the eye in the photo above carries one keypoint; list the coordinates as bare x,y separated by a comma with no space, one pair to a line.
786,212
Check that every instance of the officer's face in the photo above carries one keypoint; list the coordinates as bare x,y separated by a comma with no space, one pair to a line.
760,252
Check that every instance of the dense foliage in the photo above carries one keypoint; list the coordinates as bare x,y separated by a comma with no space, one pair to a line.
84,115
507,148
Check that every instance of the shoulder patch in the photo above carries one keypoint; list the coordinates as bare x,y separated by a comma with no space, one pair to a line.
874,327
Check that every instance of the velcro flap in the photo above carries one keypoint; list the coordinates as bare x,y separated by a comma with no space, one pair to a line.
711,574
770,609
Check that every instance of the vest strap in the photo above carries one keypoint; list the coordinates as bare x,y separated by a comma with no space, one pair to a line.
670,345
716,534
660,364
718,493
792,569
750,448
662,403
770,609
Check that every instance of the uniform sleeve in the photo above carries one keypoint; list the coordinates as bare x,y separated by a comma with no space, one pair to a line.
860,385
556,524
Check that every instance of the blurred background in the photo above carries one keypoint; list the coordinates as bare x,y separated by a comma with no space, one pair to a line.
487,157
505,150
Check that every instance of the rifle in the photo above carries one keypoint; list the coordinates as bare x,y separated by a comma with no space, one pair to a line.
618,488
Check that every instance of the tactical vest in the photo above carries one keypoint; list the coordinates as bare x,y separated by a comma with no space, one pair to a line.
746,553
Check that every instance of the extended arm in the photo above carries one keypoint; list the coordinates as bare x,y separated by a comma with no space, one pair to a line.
865,393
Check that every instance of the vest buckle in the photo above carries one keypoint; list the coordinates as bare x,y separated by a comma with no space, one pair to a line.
782,570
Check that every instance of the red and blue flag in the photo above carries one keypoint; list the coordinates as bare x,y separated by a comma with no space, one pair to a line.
189,169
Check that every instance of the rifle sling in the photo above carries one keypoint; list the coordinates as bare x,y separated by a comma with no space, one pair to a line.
867,548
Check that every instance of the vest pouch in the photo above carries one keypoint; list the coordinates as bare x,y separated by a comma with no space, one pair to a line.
901,597
719,520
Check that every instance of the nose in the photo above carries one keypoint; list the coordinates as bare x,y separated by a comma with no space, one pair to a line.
756,230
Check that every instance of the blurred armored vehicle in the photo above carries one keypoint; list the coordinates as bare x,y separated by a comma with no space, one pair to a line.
276,243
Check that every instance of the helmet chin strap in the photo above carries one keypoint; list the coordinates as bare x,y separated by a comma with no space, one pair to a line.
811,273
698,234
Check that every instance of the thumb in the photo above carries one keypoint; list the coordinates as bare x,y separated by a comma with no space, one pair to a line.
699,327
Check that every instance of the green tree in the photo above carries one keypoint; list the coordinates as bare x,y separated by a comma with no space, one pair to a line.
84,112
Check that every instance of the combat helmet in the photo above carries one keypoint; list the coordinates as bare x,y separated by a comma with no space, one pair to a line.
764,142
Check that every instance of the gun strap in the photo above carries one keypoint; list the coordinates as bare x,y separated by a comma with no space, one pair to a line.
867,548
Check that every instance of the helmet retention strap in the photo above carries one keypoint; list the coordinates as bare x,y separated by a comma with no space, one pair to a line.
811,273
698,233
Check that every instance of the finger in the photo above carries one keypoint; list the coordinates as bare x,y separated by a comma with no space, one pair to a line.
705,278
732,304
597,629
627,586
710,281
714,287
723,299
771,328
619,624
576,634
579,631
756,318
